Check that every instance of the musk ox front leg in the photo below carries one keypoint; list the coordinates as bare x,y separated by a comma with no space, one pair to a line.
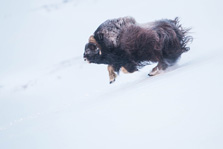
112,75
161,66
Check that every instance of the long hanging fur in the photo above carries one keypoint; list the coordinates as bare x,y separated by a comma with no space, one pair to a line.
123,43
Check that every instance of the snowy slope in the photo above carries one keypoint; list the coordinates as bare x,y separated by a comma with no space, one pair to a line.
51,98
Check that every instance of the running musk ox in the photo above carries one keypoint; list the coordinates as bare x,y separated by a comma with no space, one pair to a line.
125,45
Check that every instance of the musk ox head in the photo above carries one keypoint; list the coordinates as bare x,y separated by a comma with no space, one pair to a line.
92,50
106,36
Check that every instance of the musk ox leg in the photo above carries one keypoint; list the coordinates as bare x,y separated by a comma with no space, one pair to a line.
112,74
124,70
161,66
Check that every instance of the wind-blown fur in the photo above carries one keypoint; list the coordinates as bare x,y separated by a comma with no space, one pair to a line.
123,43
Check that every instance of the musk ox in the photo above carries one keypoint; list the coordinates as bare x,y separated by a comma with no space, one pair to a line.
125,45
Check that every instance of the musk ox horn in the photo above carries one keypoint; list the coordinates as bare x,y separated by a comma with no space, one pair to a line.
92,40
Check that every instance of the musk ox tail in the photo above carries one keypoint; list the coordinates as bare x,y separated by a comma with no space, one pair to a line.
182,34
173,39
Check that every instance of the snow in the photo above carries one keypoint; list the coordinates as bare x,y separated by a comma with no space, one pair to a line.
51,98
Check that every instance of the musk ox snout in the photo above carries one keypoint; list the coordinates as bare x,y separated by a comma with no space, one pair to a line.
91,49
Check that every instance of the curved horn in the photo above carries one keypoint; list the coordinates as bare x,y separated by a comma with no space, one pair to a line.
92,40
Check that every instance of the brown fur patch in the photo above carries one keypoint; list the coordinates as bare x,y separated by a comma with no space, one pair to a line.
112,74
158,69
124,70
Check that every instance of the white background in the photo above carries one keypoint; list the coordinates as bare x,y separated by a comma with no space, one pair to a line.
51,99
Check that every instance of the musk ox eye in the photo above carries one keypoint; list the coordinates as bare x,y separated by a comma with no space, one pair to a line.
100,36
92,46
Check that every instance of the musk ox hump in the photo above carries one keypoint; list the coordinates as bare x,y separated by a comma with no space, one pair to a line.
107,34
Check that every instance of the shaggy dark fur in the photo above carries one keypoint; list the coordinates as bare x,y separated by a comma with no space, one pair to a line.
124,43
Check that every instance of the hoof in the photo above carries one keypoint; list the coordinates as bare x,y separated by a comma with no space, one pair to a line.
150,75
112,81
156,72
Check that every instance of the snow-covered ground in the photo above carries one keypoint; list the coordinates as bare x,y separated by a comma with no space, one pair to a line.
51,99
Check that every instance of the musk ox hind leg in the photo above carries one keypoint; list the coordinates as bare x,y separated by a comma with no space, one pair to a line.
112,75
161,66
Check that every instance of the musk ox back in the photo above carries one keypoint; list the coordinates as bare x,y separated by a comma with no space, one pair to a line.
125,45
